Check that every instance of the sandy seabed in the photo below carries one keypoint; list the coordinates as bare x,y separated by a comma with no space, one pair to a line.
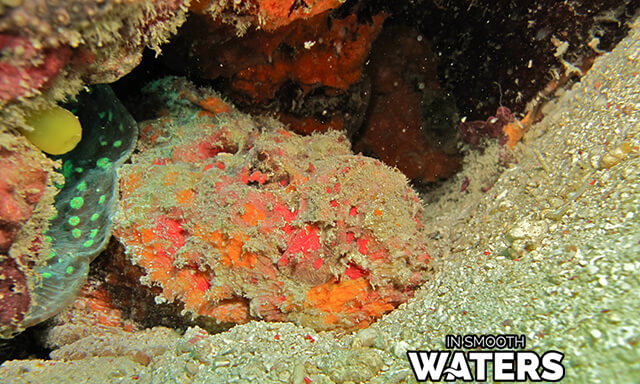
551,252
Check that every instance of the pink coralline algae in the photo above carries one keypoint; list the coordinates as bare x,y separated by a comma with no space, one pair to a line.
26,196
241,219
49,50
20,76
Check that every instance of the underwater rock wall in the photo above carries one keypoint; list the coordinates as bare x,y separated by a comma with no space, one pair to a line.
26,203
309,72
51,49
261,14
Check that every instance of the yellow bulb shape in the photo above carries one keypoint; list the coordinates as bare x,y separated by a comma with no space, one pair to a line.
55,130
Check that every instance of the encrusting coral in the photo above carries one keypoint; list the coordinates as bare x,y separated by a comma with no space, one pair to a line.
239,218
310,71
321,73
26,203
49,50
262,14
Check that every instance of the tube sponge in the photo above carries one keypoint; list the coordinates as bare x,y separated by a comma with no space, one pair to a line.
55,130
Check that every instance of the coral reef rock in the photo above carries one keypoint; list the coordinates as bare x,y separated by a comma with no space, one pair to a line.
262,14
410,119
26,200
53,48
309,72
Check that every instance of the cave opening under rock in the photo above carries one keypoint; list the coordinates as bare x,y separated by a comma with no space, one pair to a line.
418,84
481,56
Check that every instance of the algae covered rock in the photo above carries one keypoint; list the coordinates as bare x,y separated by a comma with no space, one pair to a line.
26,200
49,50
239,218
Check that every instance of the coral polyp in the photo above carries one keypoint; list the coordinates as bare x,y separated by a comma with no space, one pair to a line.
241,219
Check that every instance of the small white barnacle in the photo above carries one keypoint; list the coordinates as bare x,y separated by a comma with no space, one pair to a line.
616,155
